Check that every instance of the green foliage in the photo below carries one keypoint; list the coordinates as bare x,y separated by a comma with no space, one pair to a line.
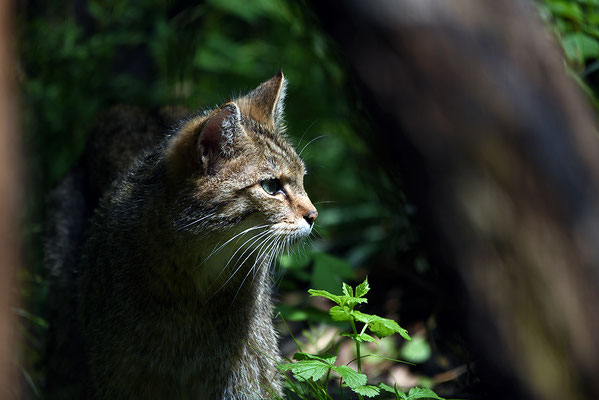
414,393
576,24
309,366
78,58
575,21
310,369
417,350
344,311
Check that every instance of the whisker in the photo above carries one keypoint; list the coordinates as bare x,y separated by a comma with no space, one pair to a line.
324,202
253,240
317,233
240,265
196,221
307,144
306,131
258,260
228,241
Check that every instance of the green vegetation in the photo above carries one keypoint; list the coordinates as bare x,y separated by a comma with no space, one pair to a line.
78,58
309,369
576,24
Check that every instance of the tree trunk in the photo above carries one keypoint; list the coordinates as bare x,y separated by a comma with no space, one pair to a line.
9,202
498,149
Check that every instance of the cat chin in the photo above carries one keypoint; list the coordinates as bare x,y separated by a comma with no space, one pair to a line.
293,232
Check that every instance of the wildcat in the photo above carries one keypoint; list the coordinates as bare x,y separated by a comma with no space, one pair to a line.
167,287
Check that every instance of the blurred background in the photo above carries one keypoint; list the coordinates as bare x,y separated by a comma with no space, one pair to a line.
78,57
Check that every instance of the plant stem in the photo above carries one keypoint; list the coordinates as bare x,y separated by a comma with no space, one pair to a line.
291,333
353,325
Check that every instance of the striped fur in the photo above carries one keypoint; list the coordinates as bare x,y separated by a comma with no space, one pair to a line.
174,288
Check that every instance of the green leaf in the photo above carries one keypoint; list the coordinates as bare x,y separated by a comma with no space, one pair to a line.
380,326
299,260
398,393
353,301
329,272
567,10
351,377
341,313
306,369
306,356
341,300
417,350
363,337
422,393
367,390
362,288
348,290
327,295
580,47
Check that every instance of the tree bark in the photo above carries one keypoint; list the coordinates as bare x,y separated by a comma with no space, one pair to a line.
471,102
9,202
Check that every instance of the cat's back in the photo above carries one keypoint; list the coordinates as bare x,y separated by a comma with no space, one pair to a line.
121,134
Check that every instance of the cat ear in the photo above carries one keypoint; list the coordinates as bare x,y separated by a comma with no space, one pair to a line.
219,132
267,101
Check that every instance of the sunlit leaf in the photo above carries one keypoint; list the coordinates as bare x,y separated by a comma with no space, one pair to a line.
306,369
361,337
347,290
350,376
362,288
327,295
381,326
340,313
330,360
367,390
416,393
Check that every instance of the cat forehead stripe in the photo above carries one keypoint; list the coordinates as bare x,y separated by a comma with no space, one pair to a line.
274,141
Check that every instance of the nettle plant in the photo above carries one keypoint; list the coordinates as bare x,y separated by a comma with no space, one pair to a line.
312,372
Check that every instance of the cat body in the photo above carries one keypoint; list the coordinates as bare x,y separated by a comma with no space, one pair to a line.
173,287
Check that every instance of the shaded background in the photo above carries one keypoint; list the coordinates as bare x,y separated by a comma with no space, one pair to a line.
79,57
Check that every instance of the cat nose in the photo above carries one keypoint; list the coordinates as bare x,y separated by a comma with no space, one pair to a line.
311,216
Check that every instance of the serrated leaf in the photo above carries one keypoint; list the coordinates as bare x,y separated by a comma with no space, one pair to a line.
367,390
398,393
422,393
306,356
386,387
353,301
380,326
351,377
306,369
340,300
362,288
340,313
363,337
327,295
348,290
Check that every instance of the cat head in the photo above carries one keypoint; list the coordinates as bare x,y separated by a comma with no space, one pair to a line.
233,170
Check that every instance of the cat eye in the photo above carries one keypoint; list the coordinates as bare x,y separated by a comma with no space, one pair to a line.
272,186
